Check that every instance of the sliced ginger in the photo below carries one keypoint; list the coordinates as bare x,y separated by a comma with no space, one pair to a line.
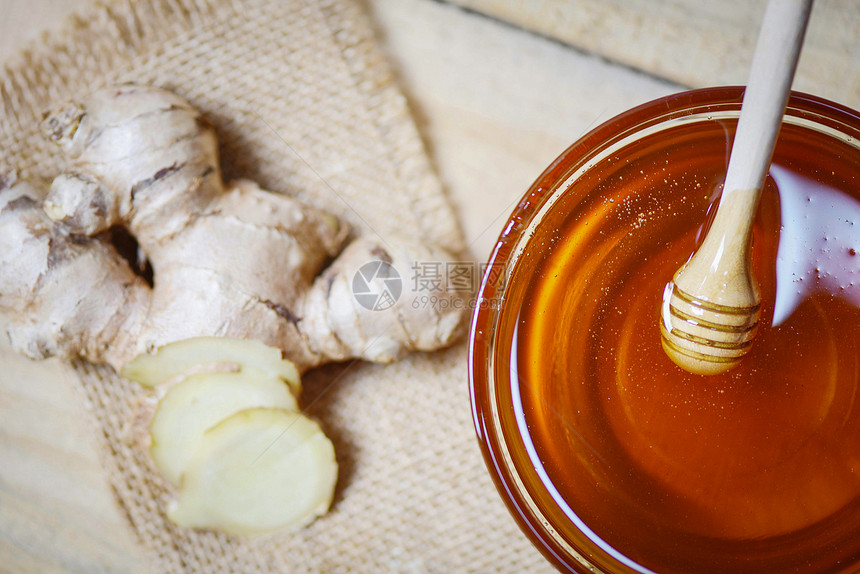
258,470
174,360
200,401
228,433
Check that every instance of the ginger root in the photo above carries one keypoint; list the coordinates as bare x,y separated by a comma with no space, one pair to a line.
230,261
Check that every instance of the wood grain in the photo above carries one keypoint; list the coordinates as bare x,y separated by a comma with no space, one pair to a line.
496,104
24,21
694,43
57,513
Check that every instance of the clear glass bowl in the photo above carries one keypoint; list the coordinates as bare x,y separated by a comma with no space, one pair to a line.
611,459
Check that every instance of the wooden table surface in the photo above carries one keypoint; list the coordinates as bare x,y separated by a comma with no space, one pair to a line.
498,88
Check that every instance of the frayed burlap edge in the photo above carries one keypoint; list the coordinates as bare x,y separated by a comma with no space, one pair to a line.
118,41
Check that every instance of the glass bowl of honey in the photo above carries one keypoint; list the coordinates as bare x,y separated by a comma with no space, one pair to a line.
612,458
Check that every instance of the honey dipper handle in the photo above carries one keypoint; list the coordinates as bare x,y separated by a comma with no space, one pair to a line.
768,86
726,247
711,308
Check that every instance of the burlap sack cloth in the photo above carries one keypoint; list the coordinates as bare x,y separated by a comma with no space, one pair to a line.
304,104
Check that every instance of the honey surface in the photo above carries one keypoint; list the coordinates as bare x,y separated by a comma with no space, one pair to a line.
755,470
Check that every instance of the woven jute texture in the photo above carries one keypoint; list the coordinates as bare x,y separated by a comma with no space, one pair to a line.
304,104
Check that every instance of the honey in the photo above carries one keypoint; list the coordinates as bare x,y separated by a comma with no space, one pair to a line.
637,464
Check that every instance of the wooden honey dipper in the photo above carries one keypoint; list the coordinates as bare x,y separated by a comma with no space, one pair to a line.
711,308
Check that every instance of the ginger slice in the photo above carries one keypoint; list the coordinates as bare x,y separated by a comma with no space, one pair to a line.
200,401
259,470
209,353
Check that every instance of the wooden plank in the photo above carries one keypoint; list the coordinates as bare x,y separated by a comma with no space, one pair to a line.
695,43
497,104
56,509
23,21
